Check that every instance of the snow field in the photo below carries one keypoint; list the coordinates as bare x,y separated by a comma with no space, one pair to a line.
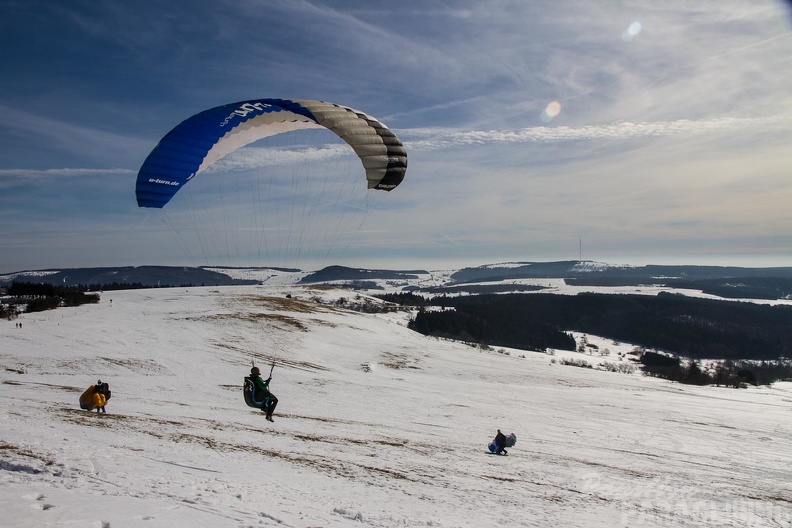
376,425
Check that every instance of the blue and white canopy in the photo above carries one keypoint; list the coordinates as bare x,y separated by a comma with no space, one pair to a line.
205,138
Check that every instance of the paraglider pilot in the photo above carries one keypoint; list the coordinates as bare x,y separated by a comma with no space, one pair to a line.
500,443
104,390
95,397
269,399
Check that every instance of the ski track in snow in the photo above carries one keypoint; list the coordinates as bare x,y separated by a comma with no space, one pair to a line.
376,426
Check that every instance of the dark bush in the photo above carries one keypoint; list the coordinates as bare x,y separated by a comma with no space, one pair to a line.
40,304
40,297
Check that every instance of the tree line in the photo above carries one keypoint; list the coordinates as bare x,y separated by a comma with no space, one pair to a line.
726,373
39,297
487,321
688,326
752,342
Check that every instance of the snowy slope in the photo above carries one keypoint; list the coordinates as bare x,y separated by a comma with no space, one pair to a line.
376,426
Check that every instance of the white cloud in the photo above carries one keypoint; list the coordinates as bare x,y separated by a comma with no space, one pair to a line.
65,172
78,139
434,139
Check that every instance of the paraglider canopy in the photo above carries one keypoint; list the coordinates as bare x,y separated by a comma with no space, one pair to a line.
201,140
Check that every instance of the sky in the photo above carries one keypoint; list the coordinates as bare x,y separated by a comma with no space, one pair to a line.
630,132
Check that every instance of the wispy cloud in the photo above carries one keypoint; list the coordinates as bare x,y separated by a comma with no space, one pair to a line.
254,157
85,141
65,172
431,139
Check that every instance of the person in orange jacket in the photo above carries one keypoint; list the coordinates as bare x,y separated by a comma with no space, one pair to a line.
93,398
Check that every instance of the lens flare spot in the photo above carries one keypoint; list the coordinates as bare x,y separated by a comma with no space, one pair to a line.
632,31
552,110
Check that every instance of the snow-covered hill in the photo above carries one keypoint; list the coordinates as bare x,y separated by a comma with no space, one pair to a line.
376,426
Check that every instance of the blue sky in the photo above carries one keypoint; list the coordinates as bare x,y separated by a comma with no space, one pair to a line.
655,132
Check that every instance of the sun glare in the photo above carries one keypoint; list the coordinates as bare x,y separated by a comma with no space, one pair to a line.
632,31
551,110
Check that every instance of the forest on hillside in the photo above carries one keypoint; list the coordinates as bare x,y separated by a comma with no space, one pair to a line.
692,327
38,297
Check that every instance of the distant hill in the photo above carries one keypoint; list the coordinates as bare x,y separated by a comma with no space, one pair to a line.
342,273
593,271
146,276
722,281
